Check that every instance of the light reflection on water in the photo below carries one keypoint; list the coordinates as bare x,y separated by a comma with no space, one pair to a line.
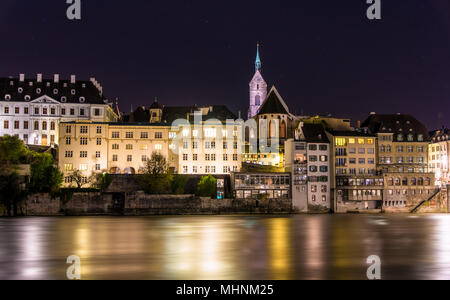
227,247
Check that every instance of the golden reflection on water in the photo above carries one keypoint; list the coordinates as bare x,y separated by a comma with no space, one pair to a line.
235,247
279,244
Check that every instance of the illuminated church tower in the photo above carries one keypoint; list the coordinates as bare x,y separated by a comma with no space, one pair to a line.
258,88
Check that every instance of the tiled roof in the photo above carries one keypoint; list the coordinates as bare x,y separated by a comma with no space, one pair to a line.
314,133
62,91
442,134
396,124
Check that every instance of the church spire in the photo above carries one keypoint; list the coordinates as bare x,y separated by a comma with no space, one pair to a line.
258,64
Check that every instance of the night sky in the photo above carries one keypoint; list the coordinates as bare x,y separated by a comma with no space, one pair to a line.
324,56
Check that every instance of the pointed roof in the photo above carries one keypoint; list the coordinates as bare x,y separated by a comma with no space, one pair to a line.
274,104
258,64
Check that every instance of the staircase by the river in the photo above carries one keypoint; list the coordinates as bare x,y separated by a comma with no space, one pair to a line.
415,209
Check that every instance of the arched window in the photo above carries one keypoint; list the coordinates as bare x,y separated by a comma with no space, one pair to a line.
420,181
391,181
397,181
413,181
258,100
427,181
283,129
272,129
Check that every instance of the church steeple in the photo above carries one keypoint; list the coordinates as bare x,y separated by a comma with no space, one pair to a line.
258,88
258,64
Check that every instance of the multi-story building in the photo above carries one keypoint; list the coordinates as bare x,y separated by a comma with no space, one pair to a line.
124,148
355,184
308,160
33,108
438,154
402,158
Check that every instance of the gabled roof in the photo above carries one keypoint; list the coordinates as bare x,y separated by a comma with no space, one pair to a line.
274,104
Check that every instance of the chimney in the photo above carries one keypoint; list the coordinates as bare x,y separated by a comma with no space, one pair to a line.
373,113
22,77
39,77
358,124
56,78
73,79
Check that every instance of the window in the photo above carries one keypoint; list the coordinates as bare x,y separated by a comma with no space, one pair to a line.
83,167
323,147
97,154
25,110
16,124
129,135
83,154
194,169
72,111
144,135
144,158
99,141
36,125
129,147
323,169
115,157
129,158
83,141
25,124
195,157
97,112
312,147
6,124
185,169
115,135
68,167
99,129
172,135
194,145
83,129
44,111
36,110
313,169
115,146
235,157
44,125
97,167
158,135
68,140
323,158
158,147
63,111
52,126
185,157
225,157
81,111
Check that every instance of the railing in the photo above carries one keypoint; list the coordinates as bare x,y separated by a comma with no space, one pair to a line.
425,201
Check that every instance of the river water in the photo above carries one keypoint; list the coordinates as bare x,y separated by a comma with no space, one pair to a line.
227,247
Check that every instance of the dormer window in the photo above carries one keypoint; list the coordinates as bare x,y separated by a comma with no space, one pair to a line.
400,137
55,91
11,83
82,99
27,98
73,92
48,83
65,84
7,97
410,138
83,85
38,91
20,90
30,83
420,137
63,99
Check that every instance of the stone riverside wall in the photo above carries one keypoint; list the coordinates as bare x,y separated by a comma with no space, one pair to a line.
140,204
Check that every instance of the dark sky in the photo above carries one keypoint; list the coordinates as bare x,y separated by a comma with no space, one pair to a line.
324,56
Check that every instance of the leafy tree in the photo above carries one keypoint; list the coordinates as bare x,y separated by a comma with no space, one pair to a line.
157,178
12,153
45,177
11,194
156,165
207,187
179,183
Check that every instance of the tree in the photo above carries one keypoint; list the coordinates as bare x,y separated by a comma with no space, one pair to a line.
207,187
179,183
100,180
157,178
156,165
11,194
12,153
45,177
79,179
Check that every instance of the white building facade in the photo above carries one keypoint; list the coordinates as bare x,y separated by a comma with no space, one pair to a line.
33,108
438,160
